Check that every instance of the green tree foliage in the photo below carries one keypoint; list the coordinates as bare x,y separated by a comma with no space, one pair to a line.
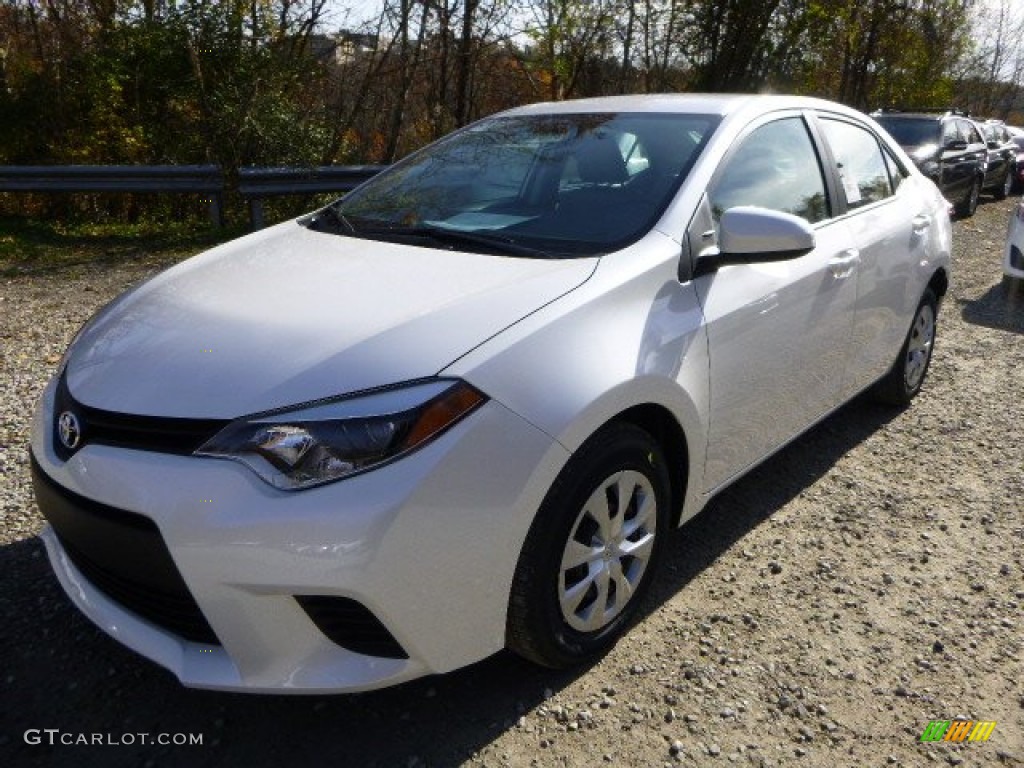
264,82
185,82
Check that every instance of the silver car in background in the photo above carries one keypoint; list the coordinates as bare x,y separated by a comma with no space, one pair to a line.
462,408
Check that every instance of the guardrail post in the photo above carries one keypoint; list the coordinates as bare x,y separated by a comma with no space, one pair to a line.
216,208
255,213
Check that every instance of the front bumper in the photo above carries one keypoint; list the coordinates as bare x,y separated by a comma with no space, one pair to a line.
427,545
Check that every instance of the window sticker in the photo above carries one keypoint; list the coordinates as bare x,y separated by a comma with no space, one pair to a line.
851,188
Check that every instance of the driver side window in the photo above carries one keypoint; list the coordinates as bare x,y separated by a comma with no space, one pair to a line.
776,167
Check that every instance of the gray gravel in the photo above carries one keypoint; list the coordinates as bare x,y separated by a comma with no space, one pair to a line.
865,581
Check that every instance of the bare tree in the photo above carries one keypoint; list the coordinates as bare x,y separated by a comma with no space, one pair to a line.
991,75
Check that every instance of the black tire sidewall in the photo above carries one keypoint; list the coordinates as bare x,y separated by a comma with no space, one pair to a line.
617,448
1006,185
928,299
972,198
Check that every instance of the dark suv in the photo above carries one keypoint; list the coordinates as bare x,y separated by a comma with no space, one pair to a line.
1001,167
948,148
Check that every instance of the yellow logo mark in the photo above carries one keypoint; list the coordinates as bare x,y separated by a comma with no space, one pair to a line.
982,730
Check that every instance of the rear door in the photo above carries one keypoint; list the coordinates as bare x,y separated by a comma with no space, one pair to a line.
958,167
777,332
977,150
889,222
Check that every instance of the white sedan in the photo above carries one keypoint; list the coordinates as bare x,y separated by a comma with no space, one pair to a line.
462,408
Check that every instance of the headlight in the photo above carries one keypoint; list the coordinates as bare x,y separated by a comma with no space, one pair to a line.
328,440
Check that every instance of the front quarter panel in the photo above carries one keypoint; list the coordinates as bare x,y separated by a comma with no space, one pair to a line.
632,335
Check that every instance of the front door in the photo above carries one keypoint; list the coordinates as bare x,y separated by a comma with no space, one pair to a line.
778,333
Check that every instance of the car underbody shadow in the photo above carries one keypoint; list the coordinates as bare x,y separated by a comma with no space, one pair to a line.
751,500
1001,307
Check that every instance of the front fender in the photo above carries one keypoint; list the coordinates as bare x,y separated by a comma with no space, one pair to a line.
632,335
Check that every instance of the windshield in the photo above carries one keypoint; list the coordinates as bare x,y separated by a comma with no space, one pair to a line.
911,132
541,186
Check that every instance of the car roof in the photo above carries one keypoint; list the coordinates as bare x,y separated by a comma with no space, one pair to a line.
682,103
918,114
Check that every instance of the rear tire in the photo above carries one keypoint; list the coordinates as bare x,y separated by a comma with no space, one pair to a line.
592,550
1004,188
904,380
966,208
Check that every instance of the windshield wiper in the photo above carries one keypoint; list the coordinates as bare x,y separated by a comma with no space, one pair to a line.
330,219
456,237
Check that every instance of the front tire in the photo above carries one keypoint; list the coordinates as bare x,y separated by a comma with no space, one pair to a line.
904,380
592,550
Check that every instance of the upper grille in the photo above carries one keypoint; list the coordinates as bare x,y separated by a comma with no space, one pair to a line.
123,555
146,433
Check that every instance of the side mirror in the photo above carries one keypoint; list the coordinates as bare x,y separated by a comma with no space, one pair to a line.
752,235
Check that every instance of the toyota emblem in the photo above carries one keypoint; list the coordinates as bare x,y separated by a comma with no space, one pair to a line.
70,430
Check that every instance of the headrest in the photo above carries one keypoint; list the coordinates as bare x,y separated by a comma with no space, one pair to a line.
599,161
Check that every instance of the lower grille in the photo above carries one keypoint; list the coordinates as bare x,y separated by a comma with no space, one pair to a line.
124,556
351,625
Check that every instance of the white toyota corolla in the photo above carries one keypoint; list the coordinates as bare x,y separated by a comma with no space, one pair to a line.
462,409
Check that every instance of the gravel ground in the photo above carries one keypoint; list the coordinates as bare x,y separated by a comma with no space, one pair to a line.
866,580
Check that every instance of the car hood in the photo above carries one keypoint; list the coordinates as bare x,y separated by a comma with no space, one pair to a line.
921,153
289,315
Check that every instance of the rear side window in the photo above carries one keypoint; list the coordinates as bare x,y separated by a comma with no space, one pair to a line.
775,167
897,173
862,169
913,131
970,132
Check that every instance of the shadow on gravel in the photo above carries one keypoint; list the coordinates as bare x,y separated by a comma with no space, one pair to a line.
61,672
743,506
1001,307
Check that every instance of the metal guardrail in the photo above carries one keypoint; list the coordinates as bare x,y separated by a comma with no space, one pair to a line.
206,180
254,184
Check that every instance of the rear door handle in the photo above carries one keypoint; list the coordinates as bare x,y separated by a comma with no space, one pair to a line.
921,222
843,263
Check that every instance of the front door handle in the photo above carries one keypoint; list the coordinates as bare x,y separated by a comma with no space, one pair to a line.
843,263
